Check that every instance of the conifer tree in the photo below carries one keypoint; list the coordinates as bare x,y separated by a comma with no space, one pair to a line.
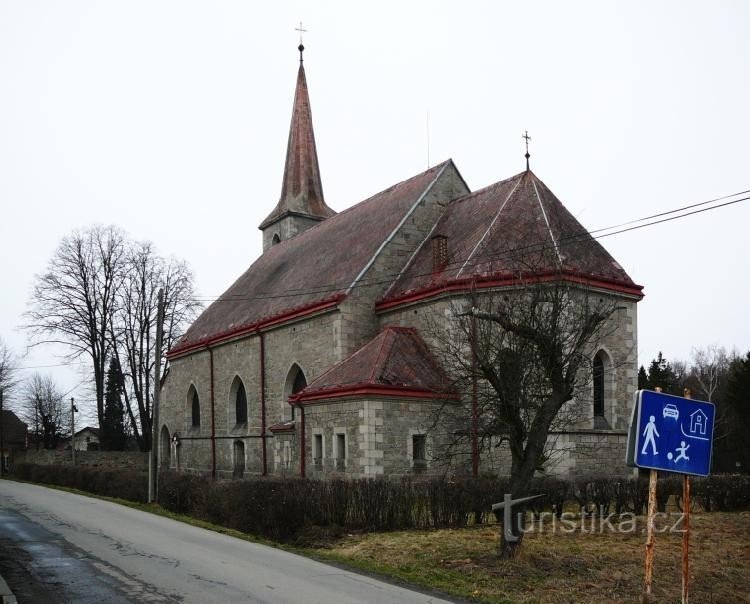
113,435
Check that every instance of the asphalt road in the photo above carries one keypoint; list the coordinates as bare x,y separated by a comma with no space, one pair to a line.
60,547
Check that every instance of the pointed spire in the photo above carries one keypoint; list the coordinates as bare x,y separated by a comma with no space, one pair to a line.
301,189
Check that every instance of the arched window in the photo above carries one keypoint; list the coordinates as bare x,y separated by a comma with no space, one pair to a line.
295,381
165,446
195,407
598,386
276,239
240,401
299,382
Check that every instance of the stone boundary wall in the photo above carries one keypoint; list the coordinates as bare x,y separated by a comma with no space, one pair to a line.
126,460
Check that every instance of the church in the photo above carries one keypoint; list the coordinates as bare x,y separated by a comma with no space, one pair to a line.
316,361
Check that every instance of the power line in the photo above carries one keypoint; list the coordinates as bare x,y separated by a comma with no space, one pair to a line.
511,254
70,364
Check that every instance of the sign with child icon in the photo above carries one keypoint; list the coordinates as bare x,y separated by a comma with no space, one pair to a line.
671,433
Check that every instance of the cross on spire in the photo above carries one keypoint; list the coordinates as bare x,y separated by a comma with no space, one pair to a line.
301,31
527,138
301,46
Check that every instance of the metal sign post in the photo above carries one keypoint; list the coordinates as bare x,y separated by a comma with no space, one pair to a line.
649,568
686,528
672,434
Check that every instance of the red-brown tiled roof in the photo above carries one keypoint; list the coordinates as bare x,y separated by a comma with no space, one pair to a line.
287,426
396,362
301,189
312,270
511,228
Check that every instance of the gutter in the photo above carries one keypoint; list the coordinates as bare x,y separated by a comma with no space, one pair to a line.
302,442
213,415
371,390
301,312
509,280
262,339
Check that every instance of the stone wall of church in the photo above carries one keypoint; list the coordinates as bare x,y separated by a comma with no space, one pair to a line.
358,322
574,456
286,228
175,412
377,436
308,344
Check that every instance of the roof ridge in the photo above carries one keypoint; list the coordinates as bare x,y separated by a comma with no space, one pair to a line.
400,328
335,218
401,222
386,342
546,220
489,228
487,188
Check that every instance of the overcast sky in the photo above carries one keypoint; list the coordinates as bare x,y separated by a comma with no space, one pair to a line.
170,120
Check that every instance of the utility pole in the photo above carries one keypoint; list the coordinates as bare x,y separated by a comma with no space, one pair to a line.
73,410
153,484
2,427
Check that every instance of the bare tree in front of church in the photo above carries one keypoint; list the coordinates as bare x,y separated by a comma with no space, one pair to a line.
132,327
525,352
73,300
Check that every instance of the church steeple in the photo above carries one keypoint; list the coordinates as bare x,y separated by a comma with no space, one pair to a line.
301,204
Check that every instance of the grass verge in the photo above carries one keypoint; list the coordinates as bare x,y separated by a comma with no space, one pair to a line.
562,567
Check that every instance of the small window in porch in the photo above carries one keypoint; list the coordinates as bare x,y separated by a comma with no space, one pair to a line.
340,451
318,450
419,451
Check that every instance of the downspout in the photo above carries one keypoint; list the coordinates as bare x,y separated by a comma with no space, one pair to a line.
213,416
302,441
263,400
474,402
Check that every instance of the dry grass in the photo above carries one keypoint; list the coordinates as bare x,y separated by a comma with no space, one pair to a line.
558,567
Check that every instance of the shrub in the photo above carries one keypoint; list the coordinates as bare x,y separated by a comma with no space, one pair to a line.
306,510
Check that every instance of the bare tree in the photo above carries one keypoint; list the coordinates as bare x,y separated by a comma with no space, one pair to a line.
42,408
74,298
8,369
526,352
710,370
133,326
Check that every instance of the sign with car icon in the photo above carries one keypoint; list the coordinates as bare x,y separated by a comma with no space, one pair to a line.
671,433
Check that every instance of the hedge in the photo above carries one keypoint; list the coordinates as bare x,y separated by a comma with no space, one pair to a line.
282,509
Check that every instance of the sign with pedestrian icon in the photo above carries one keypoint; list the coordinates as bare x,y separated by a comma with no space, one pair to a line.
671,433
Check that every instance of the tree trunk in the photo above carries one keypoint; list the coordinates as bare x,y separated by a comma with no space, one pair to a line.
510,548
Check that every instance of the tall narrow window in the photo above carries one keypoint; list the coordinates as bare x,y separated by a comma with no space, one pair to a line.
318,450
240,403
299,382
239,459
598,386
419,451
295,381
195,408
165,447
340,451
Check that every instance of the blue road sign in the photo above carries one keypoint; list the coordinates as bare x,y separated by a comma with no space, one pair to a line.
671,433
